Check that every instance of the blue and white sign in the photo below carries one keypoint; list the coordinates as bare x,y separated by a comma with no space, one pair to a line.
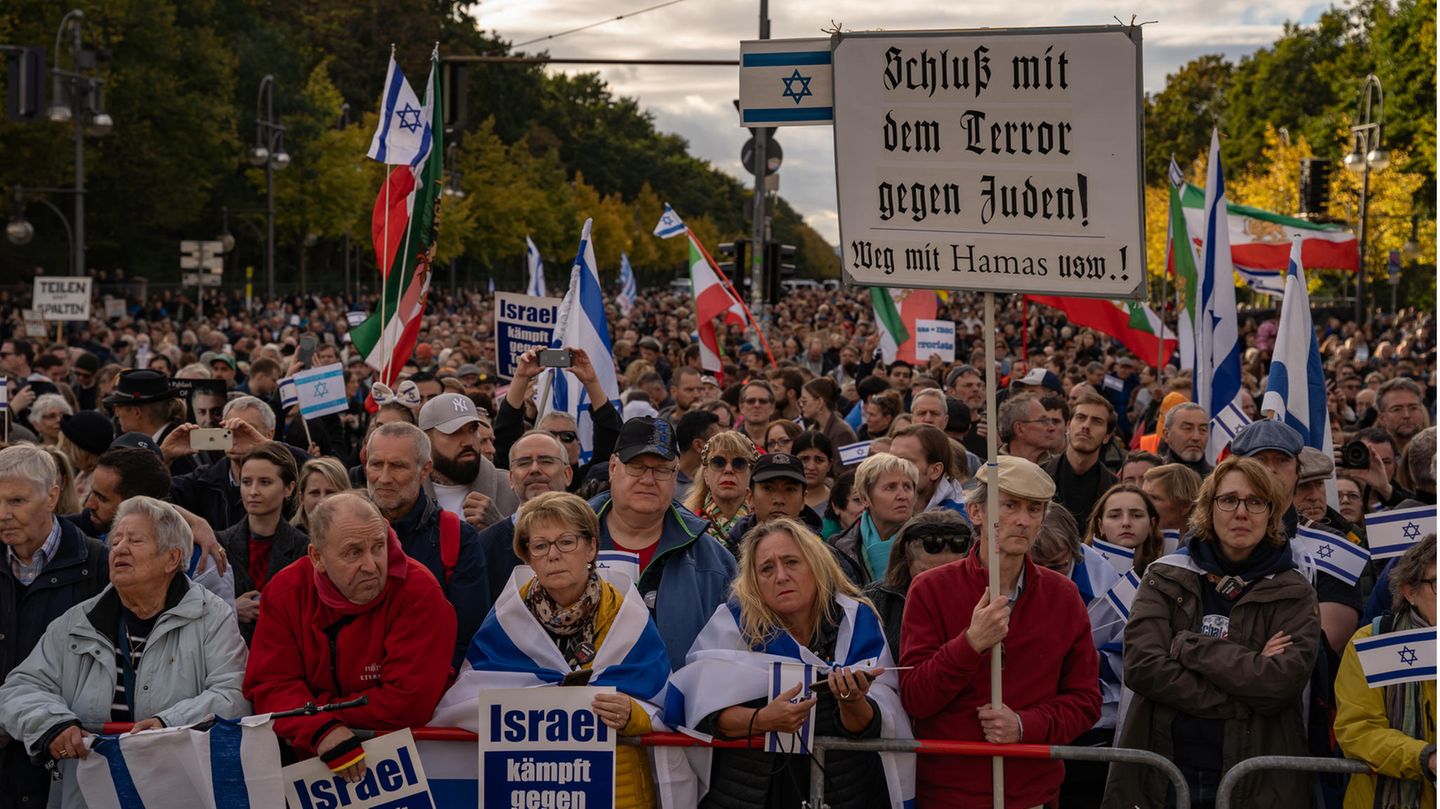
522,322
1391,533
1398,657
321,391
935,337
545,747
786,82
394,779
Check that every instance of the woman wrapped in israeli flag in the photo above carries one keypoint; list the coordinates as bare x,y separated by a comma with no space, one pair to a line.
793,615
559,620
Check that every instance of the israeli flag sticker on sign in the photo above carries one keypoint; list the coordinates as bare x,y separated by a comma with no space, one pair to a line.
786,82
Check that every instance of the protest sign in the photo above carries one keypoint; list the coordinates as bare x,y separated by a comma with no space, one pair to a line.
522,322
114,308
545,747
934,337
58,297
34,323
394,779
1006,160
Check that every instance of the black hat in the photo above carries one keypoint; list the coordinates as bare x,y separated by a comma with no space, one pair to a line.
958,416
645,435
135,440
89,430
87,362
139,386
778,466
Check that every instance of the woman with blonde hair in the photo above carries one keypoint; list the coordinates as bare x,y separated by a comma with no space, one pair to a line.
1172,489
792,604
887,485
1220,644
721,491
69,502
319,478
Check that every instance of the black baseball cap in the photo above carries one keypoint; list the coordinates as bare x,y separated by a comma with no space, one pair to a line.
778,466
645,435
134,440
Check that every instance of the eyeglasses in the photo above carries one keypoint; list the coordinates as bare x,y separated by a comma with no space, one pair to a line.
940,544
638,470
757,401
566,436
779,443
1230,502
737,464
565,544
525,463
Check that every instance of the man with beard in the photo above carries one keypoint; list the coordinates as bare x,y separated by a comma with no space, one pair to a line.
397,460
463,481
1080,478
1401,404
538,464
1187,431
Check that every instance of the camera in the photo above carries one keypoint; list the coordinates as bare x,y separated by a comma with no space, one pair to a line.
1355,455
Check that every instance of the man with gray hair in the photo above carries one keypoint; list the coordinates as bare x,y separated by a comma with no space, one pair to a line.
49,566
1186,434
1026,430
538,464
213,491
397,463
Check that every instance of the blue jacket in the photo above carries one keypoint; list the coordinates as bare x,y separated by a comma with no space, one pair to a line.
468,590
687,579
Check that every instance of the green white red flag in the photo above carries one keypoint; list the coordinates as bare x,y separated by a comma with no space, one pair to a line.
1135,325
896,312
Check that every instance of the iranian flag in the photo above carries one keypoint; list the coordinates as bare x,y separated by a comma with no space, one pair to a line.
1260,241
896,311
405,224
715,298
1135,325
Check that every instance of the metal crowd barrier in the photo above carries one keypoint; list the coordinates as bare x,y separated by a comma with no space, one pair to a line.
1251,766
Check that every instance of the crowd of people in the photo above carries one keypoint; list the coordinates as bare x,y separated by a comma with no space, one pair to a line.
181,544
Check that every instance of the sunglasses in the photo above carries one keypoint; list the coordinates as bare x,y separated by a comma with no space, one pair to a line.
566,436
938,544
736,464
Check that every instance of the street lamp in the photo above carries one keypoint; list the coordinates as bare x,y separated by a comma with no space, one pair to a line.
19,231
1366,154
268,151
77,99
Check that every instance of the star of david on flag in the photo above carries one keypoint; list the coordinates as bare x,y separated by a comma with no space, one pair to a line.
1391,533
402,136
1398,657
791,92
321,391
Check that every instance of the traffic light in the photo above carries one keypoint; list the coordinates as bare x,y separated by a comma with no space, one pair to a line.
25,92
779,263
733,261
1314,186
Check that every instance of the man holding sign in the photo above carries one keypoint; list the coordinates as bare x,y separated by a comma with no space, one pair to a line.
354,618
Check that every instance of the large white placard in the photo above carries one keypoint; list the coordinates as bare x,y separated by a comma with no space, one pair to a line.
59,297
394,779
1002,159
545,747
934,337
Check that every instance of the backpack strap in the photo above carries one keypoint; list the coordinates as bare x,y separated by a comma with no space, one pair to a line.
449,543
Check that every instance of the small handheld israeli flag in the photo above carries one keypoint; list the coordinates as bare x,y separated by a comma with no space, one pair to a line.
1391,533
851,454
1334,555
670,223
1122,595
1119,557
289,397
321,391
1398,657
4,395
1229,422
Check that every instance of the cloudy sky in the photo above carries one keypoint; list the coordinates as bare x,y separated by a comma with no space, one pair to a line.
695,102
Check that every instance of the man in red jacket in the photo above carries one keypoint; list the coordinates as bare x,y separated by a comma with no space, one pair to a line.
356,617
953,625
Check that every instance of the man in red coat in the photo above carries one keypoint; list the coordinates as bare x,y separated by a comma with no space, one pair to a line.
356,617
953,625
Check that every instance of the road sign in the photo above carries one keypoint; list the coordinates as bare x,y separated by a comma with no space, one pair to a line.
206,255
192,279
1007,160
774,155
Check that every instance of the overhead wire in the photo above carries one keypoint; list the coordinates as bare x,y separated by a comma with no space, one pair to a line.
597,24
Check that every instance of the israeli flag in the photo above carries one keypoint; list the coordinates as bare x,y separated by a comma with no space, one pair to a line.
536,267
321,391
786,82
289,396
1119,557
1171,539
1228,423
1334,555
1269,283
1217,366
1391,533
670,223
1295,390
581,324
1398,657
402,137
626,299
723,669
1122,595
852,454
233,765
623,563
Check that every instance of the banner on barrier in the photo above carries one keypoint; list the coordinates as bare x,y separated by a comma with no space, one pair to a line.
545,747
394,779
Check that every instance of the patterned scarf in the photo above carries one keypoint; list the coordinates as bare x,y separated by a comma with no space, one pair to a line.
573,627
1402,706
710,510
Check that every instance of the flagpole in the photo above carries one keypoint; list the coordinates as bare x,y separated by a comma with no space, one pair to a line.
726,282
385,266
992,518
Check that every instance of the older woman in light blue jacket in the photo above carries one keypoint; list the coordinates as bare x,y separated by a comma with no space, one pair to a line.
153,648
